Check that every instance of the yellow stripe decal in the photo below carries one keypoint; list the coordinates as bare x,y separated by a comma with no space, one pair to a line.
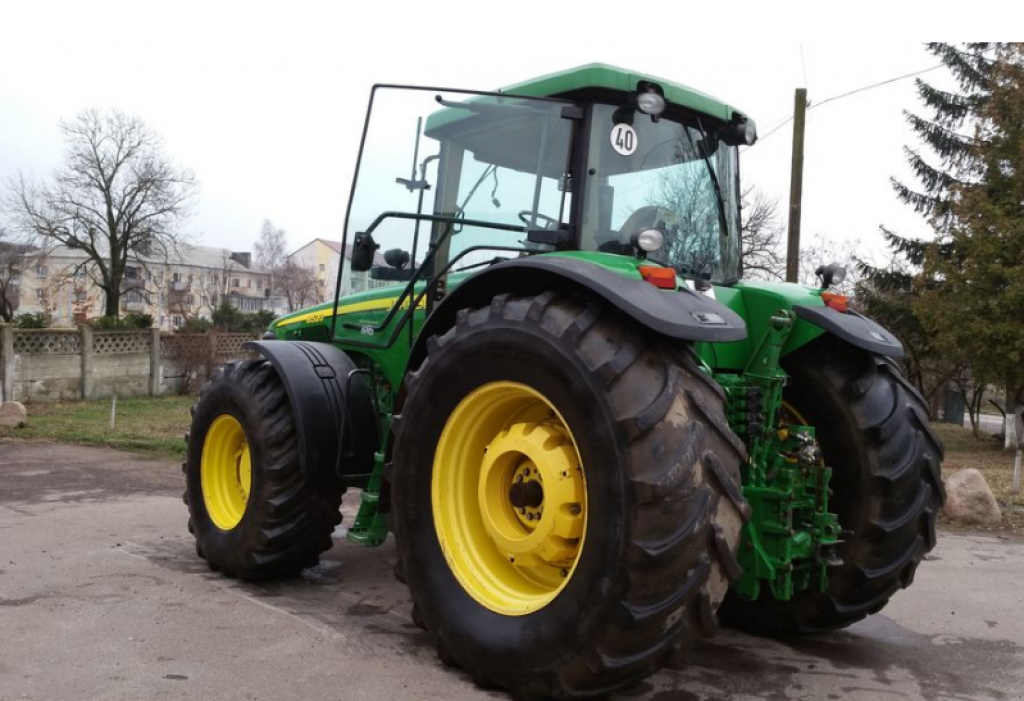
371,305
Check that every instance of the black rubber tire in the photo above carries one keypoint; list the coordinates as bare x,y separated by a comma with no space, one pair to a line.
662,471
287,523
873,429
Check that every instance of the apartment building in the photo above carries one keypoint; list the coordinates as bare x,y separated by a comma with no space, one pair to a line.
323,256
190,282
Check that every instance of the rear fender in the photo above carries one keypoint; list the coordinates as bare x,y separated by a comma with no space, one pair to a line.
683,315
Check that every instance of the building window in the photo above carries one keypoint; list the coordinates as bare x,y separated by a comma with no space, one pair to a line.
248,283
234,282
40,271
176,321
80,295
80,273
131,273
323,267
176,277
40,295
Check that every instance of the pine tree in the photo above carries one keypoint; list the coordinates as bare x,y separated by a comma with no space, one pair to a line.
948,131
972,288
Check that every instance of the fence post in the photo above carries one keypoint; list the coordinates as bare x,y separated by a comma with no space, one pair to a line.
211,354
155,368
86,351
7,377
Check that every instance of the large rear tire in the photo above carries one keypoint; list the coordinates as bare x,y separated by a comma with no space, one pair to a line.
252,510
873,429
633,436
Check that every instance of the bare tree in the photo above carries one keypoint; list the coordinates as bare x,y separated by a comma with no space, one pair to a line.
12,263
298,285
214,287
761,236
270,247
822,249
116,197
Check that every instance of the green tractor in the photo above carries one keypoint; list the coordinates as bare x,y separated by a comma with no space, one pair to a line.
591,439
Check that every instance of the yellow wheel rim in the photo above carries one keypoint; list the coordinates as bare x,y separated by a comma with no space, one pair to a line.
509,498
226,472
789,415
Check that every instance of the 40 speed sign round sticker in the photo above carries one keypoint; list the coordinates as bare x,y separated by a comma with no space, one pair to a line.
623,139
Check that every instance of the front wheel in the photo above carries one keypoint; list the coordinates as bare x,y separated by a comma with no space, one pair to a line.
566,498
874,433
252,510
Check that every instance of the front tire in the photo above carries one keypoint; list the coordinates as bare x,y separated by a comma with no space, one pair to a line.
873,429
253,512
652,522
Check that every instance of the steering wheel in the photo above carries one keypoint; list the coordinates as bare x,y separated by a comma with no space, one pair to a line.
549,222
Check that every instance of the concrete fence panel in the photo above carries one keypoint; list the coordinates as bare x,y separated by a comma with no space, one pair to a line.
61,364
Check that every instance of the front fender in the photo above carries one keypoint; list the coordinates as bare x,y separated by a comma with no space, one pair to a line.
682,314
331,407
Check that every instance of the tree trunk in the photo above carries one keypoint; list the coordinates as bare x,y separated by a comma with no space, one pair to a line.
113,303
1014,408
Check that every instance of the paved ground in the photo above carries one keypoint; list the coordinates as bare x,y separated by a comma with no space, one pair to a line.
988,423
102,597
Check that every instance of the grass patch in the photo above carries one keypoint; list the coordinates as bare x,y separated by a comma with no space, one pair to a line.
156,426
986,455
149,425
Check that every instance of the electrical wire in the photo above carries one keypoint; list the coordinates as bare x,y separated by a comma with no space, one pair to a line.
841,96
875,85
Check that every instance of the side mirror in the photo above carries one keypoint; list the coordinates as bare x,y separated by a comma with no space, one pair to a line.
363,249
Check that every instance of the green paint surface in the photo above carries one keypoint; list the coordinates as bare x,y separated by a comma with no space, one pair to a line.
597,76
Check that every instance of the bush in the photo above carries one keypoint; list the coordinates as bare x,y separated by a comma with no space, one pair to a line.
39,320
122,323
227,318
195,325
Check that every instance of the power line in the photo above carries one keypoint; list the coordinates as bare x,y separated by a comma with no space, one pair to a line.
846,94
875,85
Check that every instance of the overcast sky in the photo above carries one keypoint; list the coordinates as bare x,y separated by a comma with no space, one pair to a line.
265,102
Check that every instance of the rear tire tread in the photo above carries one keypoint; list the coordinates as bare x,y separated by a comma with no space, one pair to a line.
659,611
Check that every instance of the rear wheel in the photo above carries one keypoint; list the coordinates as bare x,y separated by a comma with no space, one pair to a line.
873,429
566,497
252,510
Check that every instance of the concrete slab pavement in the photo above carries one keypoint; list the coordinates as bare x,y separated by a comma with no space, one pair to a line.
102,597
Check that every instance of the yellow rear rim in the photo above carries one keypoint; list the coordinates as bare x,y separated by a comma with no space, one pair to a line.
790,415
226,472
509,498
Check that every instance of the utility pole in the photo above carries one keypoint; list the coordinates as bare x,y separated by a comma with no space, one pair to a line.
796,186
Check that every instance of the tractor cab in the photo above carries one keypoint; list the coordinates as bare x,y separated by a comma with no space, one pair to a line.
601,158
595,163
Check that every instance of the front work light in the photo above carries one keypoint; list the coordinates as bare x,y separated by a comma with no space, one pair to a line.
831,274
649,240
650,102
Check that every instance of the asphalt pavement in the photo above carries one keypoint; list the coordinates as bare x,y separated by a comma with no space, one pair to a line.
102,597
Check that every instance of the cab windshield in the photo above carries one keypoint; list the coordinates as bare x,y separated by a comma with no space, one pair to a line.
450,181
663,174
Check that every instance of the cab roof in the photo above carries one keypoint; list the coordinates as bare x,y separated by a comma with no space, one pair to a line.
604,76
595,76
